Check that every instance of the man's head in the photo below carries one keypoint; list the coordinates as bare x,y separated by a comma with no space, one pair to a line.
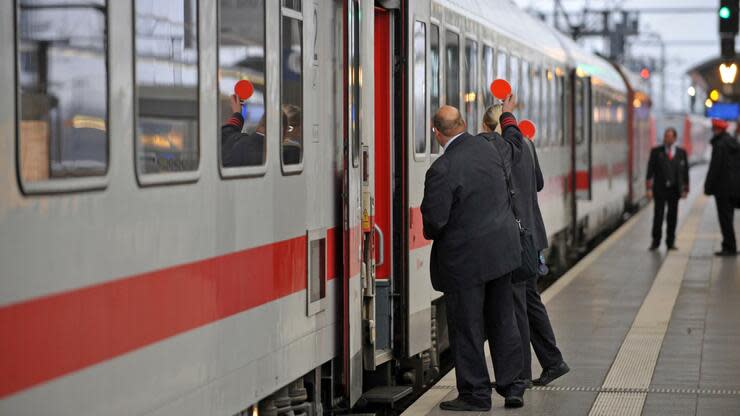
447,123
669,136
490,118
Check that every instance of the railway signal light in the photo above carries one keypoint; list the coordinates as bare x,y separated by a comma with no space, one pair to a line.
714,95
708,103
728,16
645,73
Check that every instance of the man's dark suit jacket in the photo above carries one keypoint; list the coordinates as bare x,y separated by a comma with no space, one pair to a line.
466,212
668,177
526,177
241,149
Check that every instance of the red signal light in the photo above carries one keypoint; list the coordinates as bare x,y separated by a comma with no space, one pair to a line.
645,73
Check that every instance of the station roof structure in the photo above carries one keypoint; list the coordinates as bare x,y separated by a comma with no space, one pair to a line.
707,74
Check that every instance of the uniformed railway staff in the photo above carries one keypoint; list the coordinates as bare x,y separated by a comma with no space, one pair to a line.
723,181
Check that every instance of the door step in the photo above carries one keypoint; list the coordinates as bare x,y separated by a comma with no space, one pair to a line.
387,395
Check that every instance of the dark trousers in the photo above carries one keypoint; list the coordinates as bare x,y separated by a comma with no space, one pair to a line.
503,336
726,214
672,218
534,326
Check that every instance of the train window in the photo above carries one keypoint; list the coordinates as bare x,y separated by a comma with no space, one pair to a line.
355,81
288,4
559,110
525,90
579,126
452,69
316,271
488,75
514,78
241,55
62,95
166,80
471,84
420,88
501,69
434,87
536,98
547,104
291,90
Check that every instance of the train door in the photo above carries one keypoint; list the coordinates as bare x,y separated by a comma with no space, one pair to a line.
351,353
582,137
378,185
418,292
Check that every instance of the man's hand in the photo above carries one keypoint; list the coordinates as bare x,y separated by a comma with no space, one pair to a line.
509,104
684,194
236,106
649,194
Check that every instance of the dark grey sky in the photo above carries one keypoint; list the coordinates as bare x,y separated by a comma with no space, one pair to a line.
673,27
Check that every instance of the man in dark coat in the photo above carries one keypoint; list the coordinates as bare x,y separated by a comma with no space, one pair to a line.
466,212
526,176
723,181
667,182
240,149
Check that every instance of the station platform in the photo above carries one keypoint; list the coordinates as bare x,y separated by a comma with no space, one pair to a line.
644,333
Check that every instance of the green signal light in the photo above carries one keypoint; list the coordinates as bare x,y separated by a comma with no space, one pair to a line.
724,12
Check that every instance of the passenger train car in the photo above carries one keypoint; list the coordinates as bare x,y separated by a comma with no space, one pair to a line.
140,274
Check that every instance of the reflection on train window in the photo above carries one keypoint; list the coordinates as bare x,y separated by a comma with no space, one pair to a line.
452,69
559,113
63,97
579,111
166,45
420,88
434,87
471,84
355,81
241,55
488,75
291,89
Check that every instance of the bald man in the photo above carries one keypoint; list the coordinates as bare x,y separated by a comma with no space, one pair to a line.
467,213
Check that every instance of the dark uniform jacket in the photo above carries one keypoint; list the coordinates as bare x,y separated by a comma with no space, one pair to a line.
723,177
240,149
466,212
668,177
526,176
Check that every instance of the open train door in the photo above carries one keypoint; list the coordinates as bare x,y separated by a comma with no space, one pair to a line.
582,122
418,292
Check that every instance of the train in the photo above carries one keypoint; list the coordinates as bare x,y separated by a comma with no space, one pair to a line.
140,274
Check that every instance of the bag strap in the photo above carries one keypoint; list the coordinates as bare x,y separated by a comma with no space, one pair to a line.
509,187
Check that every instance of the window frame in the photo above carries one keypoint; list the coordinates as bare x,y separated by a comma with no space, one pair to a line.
420,157
62,185
242,171
297,168
166,178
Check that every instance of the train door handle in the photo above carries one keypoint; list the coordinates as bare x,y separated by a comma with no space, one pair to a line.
381,245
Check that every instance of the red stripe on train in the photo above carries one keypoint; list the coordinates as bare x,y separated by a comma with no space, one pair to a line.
45,338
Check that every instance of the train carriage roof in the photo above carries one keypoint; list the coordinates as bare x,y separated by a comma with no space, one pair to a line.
507,18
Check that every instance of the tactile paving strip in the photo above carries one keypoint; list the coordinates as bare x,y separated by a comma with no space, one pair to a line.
652,390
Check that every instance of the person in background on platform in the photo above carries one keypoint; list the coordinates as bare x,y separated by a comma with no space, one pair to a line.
723,182
476,246
532,318
667,181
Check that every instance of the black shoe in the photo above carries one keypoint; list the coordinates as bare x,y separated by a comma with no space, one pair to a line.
654,246
726,253
513,402
552,373
672,248
527,384
460,405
